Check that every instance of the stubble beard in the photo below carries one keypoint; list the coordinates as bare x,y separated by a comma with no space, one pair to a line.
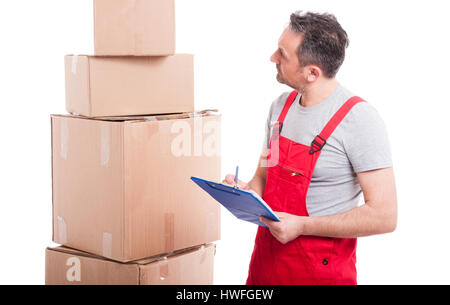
283,81
280,78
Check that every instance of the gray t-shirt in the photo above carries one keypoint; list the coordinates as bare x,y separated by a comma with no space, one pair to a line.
360,143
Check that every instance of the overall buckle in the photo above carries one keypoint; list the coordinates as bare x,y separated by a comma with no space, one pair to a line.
277,130
316,143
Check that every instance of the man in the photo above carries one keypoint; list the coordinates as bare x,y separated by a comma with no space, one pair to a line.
324,147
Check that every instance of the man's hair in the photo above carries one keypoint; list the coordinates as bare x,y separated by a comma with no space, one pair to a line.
324,41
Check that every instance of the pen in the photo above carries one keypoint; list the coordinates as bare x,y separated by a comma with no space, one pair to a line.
236,176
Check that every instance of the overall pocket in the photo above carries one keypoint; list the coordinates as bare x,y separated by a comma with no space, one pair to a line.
293,186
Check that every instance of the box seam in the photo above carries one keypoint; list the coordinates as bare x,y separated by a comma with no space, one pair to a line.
134,34
139,275
174,40
90,86
95,24
53,190
122,137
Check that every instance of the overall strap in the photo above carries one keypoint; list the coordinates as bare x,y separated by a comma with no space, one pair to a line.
279,124
287,106
319,142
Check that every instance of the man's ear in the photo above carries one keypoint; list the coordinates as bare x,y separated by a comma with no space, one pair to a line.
313,73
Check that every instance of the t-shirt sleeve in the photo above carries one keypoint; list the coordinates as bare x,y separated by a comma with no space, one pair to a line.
366,143
267,129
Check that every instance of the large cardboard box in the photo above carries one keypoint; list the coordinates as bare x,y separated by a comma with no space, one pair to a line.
122,188
134,27
114,86
65,266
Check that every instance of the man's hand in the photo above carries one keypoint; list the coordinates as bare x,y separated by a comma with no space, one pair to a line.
288,229
229,179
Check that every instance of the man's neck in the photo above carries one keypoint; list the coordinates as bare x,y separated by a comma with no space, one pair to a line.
317,92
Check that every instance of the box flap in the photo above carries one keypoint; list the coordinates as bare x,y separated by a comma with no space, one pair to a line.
174,254
144,261
143,118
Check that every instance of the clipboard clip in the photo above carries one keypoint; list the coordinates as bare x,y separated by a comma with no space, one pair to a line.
224,189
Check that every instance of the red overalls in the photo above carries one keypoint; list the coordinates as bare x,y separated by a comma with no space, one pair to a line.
307,259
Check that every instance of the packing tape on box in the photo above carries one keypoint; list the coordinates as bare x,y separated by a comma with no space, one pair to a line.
107,245
203,113
64,138
169,232
105,145
196,115
62,230
163,268
202,254
74,64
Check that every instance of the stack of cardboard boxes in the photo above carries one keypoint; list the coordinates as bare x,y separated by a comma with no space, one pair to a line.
124,208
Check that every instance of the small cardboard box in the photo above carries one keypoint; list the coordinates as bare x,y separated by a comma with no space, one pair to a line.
134,27
122,187
194,266
115,86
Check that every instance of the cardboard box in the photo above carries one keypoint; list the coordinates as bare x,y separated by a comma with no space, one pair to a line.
134,27
114,86
122,188
65,266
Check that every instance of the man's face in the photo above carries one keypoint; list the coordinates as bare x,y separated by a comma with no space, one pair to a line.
286,59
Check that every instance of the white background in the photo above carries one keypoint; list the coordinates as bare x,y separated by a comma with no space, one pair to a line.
397,60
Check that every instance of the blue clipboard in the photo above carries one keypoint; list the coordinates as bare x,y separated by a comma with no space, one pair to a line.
245,205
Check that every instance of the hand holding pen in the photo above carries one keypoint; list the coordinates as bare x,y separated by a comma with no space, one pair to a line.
235,182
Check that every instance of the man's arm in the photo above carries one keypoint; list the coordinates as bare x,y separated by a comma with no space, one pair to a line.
377,216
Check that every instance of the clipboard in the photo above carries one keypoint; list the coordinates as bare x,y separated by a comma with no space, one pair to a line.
245,205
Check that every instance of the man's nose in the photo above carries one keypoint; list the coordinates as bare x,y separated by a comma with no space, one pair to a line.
274,58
